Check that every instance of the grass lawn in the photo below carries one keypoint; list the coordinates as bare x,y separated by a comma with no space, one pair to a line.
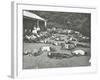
43,61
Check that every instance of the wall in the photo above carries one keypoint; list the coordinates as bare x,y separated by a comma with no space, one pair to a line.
5,35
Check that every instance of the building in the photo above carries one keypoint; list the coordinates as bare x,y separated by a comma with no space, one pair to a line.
32,21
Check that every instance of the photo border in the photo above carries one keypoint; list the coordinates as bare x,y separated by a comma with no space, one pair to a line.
17,42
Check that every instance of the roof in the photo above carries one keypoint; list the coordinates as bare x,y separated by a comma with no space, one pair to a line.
32,15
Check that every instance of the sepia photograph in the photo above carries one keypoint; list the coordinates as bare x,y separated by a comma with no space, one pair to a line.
54,39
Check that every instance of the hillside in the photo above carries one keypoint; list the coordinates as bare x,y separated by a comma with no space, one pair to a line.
75,21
